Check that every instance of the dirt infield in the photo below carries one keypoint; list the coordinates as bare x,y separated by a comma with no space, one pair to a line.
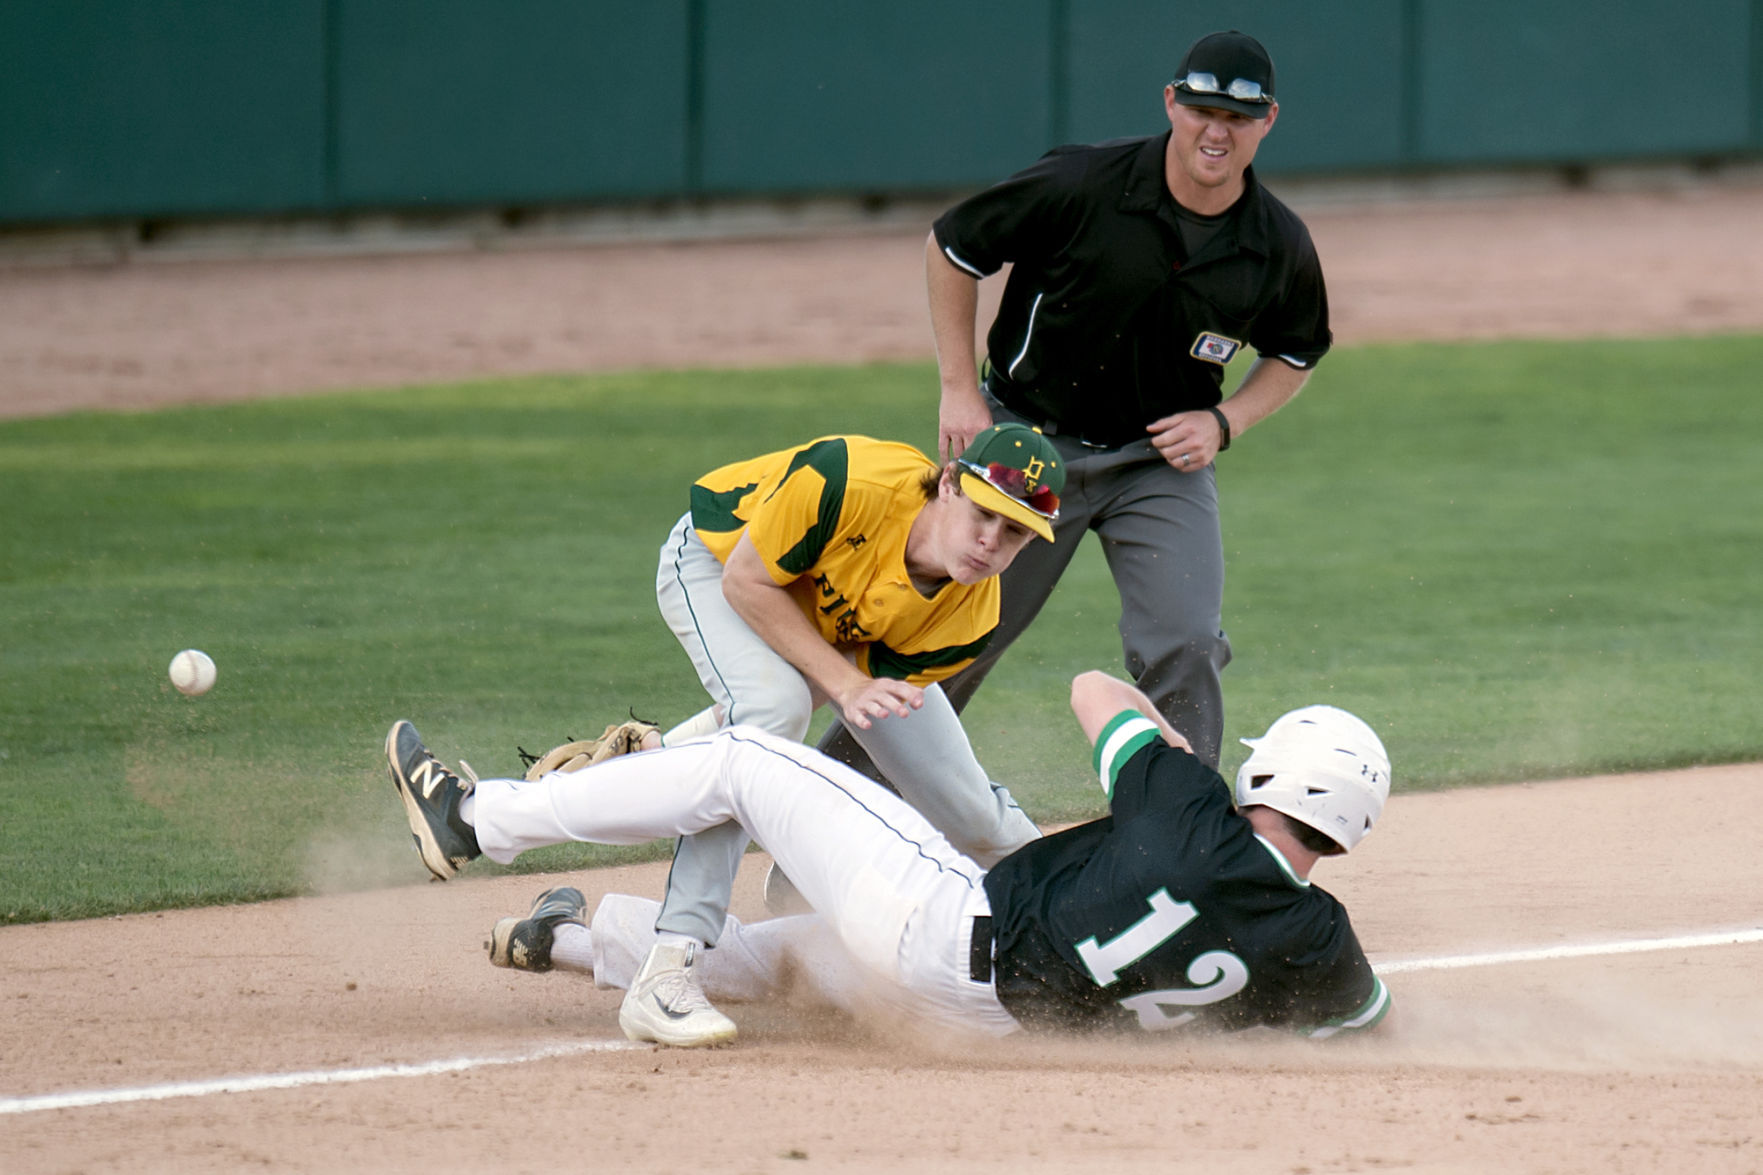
366,1032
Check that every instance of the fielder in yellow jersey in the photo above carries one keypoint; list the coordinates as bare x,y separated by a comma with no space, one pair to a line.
826,520
853,571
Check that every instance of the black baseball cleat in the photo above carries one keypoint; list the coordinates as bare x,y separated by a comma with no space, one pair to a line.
431,795
525,943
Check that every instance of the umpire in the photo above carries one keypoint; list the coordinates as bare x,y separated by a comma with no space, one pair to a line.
1141,268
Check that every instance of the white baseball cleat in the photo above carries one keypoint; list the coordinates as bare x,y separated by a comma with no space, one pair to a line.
665,1004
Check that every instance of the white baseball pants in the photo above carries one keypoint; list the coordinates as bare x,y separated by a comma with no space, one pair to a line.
899,897
926,755
795,956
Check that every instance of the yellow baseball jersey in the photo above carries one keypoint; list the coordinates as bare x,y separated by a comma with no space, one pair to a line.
830,519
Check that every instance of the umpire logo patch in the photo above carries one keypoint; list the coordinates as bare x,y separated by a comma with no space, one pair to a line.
1214,348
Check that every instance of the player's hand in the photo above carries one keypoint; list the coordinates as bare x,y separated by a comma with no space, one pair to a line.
1188,440
876,698
961,416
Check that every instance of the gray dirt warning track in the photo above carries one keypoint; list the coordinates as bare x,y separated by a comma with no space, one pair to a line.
379,1039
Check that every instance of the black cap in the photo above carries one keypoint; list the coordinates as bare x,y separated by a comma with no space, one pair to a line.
1228,57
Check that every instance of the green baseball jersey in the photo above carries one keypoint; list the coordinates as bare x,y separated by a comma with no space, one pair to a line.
1171,911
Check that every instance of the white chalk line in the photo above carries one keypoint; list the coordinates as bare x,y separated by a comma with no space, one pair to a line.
253,1084
1632,946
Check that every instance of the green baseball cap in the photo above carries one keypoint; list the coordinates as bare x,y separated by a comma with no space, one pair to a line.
1011,469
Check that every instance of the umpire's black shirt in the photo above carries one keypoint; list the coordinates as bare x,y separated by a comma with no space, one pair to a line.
1106,323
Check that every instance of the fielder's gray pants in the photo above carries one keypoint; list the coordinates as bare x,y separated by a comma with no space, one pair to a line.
925,756
1160,534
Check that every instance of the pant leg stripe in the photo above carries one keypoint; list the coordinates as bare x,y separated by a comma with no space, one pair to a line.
685,592
972,877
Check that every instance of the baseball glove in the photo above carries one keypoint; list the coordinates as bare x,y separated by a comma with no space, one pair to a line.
620,738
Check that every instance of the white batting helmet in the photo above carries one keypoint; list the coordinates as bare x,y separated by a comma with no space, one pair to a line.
1320,766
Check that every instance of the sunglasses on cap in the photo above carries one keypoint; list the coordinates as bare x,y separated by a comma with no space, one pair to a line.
1242,89
1013,483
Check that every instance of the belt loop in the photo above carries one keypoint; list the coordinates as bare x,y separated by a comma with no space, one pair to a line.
979,951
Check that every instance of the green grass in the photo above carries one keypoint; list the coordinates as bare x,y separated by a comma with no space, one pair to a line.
1516,561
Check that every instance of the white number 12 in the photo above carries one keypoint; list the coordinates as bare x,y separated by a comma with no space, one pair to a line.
1222,973
1107,960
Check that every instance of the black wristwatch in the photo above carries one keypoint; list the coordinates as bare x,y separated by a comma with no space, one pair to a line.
1223,427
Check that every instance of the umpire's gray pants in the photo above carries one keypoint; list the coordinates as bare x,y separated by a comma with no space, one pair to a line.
1160,534
925,756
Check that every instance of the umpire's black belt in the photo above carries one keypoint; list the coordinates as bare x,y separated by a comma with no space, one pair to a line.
979,950
1010,395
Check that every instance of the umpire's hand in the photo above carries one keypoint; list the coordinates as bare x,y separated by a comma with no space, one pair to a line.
1187,440
961,416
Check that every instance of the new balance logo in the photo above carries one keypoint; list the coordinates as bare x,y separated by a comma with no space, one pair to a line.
430,776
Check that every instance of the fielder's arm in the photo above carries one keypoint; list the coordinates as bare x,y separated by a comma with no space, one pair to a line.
1096,697
770,611
954,311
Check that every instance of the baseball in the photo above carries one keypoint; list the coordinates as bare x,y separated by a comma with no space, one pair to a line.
192,671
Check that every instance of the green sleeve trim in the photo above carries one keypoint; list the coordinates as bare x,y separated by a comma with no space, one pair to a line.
1123,737
891,663
832,461
1369,1015
715,512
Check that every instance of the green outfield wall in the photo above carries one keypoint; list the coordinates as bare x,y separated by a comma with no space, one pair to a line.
165,109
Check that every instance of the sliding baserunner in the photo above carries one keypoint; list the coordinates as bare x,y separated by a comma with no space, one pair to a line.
1190,904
